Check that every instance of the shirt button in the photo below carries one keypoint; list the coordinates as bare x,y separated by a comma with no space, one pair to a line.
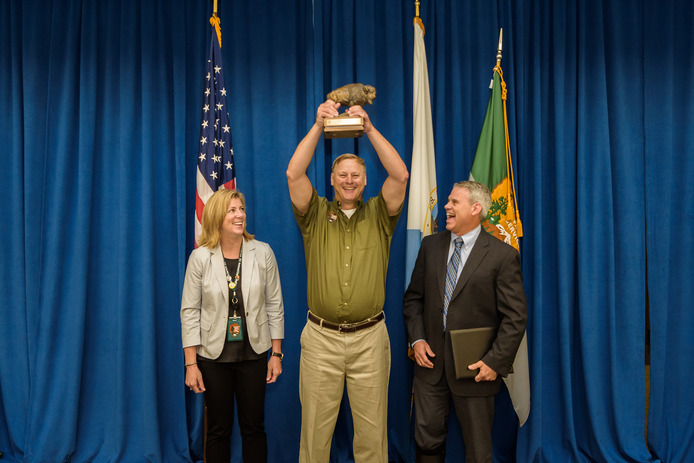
348,229
346,284
346,265
347,247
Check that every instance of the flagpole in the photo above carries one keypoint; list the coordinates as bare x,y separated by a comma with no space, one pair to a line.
423,196
499,48
214,8
216,167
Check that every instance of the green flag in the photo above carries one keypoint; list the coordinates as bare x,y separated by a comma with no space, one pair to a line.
492,166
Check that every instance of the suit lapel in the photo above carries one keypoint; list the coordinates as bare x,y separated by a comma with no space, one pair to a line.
248,265
479,250
217,259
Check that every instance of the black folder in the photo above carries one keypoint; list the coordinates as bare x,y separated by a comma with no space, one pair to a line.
469,346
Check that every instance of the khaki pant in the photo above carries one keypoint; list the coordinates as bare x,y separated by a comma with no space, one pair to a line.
328,359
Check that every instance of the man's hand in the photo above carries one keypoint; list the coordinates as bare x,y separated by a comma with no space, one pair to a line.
326,109
422,352
485,374
358,111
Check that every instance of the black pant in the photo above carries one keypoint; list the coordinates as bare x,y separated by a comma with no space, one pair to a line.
244,381
432,405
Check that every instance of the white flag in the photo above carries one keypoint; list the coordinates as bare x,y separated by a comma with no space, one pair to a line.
422,213
518,382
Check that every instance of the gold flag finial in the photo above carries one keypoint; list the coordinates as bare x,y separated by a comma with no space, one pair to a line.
417,19
500,47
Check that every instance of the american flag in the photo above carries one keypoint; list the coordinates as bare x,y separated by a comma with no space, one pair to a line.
216,156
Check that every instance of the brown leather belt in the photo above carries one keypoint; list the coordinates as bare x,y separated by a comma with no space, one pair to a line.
346,327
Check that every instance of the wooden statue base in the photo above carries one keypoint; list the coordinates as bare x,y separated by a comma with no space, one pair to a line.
343,127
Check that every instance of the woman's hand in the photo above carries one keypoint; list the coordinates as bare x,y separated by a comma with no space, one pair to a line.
194,379
274,369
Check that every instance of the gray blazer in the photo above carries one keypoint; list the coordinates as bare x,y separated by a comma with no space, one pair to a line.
205,300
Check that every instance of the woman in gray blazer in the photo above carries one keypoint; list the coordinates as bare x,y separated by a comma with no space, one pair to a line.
232,314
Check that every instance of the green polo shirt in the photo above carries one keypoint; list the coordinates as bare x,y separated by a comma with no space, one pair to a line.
346,258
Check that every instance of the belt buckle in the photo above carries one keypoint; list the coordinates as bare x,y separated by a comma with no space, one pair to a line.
346,327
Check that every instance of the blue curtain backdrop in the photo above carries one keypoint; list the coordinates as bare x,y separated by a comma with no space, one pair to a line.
669,143
99,124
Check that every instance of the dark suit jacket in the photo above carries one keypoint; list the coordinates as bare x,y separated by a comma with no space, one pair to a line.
489,292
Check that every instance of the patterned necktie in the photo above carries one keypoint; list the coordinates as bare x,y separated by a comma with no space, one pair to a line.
451,277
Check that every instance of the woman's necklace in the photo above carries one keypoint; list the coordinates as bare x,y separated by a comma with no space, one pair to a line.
233,282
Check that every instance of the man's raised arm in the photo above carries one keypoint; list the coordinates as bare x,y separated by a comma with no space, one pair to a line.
395,185
300,187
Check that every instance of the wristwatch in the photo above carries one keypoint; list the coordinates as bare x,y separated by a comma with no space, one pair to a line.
278,354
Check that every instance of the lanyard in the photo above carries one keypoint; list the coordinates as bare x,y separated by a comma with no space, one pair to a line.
234,282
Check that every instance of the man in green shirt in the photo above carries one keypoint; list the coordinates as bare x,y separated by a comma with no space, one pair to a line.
347,242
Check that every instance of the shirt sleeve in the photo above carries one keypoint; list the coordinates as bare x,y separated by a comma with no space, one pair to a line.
309,218
386,222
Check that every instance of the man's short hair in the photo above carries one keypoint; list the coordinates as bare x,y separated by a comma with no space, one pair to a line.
344,157
478,193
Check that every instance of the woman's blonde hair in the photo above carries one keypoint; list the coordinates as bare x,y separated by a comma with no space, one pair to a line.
213,216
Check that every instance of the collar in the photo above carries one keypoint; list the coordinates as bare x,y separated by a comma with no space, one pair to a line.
338,204
469,238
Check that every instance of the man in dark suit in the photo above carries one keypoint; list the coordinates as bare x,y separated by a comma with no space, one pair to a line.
463,278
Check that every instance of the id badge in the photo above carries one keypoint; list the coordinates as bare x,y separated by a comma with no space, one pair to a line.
235,329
